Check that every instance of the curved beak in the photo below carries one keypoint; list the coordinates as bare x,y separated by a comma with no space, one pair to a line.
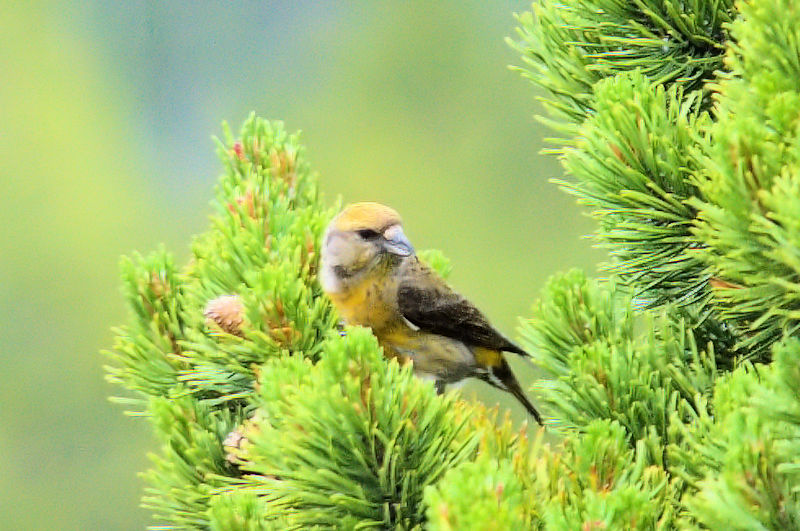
395,241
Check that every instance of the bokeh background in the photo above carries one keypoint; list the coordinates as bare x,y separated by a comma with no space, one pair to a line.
106,115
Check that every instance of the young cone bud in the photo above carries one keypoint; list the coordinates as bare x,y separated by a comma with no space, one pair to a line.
232,444
227,312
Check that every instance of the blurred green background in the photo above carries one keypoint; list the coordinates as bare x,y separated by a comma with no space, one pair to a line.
107,109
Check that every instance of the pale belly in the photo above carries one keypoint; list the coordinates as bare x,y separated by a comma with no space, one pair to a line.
433,356
371,304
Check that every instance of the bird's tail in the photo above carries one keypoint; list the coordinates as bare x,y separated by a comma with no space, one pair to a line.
516,391
502,378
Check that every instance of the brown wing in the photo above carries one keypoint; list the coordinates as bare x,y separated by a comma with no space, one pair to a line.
427,302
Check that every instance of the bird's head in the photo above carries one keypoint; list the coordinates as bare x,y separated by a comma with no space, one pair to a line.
361,237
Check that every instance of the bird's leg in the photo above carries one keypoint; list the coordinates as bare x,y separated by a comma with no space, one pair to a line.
439,385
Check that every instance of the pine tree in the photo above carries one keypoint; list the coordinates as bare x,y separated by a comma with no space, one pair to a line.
672,382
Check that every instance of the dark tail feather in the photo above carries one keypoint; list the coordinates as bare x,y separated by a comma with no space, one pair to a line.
519,395
502,378
512,347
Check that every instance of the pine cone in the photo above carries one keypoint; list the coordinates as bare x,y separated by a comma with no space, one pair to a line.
227,312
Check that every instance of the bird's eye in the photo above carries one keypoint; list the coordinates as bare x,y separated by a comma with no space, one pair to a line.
368,234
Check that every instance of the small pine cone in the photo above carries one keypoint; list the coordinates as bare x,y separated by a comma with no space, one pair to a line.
232,444
227,312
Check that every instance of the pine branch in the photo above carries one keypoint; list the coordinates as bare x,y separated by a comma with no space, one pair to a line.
753,482
593,482
569,46
268,417
198,336
634,164
350,441
272,417
750,215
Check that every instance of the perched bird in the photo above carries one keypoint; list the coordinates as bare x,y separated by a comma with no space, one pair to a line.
374,278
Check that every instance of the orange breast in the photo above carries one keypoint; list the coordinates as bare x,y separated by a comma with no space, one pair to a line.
368,304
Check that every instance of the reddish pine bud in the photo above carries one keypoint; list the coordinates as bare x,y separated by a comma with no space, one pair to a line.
498,492
238,150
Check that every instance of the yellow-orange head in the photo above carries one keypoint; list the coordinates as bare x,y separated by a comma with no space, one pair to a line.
358,239
366,216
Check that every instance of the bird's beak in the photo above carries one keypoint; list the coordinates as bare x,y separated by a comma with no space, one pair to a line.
396,241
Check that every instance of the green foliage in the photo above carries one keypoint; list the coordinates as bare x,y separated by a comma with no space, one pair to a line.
497,499
603,370
273,418
733,469
142,349
242,510
192,465
698,208
756,438
633,163
605,484
568,46
437,261
349,442
269,419
594,482
685,200
195,379
263,248
750,218
573,312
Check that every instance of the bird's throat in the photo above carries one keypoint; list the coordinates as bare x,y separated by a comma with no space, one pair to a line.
366,300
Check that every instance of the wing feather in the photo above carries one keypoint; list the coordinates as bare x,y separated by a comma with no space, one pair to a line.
427,302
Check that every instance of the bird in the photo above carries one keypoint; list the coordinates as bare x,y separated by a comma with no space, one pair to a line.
372,274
